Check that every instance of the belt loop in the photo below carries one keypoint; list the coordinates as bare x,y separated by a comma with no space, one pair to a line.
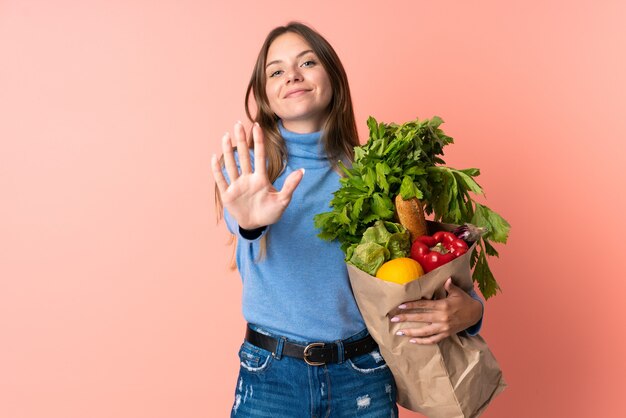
279,348
340,352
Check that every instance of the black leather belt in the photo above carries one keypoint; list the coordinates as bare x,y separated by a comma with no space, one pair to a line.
315,354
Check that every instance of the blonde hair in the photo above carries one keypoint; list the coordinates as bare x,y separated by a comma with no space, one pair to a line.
339,133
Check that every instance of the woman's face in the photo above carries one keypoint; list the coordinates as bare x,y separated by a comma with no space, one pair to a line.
297,85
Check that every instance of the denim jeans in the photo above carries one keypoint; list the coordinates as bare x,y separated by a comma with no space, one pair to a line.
278,386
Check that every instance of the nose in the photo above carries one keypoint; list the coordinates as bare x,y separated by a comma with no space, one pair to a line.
294,75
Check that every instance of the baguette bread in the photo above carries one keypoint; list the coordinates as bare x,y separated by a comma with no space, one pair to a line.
410,213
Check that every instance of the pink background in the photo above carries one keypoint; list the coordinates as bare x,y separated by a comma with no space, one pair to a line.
115,297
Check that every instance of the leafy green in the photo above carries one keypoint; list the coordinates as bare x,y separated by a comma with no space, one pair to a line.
498,228
381,242
483,276
406,159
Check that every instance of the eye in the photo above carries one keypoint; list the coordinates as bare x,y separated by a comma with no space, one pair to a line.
309,63
276,73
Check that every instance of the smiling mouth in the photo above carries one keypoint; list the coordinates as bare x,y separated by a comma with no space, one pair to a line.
296,93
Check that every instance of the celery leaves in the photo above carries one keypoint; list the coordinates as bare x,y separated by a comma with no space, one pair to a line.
406,159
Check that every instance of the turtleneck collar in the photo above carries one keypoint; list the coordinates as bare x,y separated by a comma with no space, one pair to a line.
304,150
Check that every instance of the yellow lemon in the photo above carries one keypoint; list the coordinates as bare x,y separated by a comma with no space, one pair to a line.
400,270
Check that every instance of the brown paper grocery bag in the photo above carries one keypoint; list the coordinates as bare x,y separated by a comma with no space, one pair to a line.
457,377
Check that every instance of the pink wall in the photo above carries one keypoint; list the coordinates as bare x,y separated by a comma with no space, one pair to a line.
115,299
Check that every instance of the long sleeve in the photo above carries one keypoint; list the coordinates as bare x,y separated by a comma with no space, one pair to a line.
475,329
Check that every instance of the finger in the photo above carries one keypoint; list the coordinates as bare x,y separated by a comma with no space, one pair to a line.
422,305
291,182
229,158
447,284
417,317
218,176
259,150
423,332
242,149
454,289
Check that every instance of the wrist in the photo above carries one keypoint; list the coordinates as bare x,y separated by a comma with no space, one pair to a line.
477,311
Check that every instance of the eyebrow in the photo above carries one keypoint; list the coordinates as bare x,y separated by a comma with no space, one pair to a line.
297,56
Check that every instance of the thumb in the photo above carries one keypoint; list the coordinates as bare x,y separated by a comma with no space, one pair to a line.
450,287
291,182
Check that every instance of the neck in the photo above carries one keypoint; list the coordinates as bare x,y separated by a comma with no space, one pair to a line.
304,126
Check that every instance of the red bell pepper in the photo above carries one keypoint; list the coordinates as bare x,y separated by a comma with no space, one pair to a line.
436,250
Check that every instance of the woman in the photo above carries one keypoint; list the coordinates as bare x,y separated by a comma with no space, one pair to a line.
307,351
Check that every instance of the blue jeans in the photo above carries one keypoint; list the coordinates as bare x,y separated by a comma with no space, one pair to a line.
278,386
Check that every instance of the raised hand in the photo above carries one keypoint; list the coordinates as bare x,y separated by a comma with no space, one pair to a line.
250,198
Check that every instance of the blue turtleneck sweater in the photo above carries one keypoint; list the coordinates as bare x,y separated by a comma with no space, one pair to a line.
301,289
